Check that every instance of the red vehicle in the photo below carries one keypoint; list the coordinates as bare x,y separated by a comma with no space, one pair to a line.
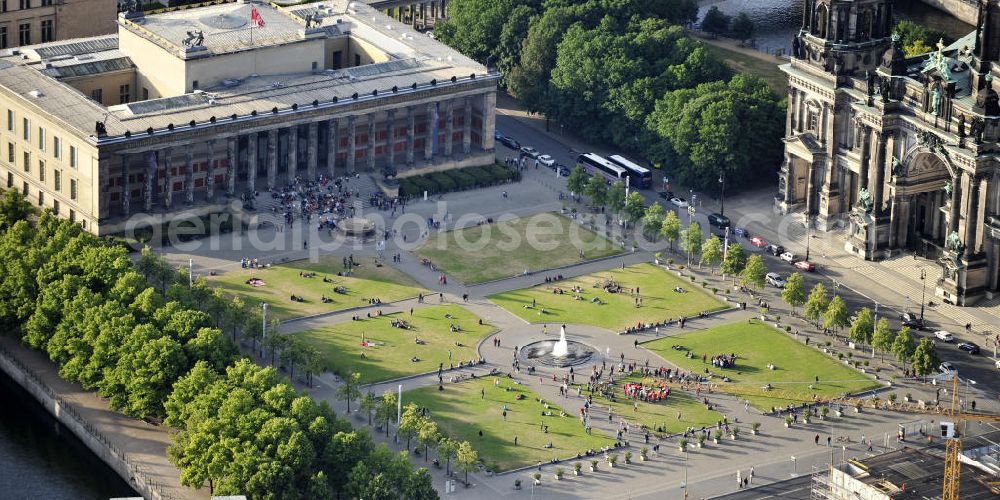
805,265
758,242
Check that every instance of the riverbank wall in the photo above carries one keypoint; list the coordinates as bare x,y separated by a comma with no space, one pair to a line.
965,10
68,415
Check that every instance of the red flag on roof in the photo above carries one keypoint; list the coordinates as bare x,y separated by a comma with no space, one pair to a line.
255,17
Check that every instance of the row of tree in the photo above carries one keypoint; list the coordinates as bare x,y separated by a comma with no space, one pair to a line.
740,27
155,347
624,72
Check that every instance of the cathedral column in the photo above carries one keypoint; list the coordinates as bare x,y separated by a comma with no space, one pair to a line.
152,172
293,153
168,173
252,162
884,169
866,153
210,176
231,159
489,121
126,186
876,173
390,137
272,158
371,142
352,142
411,120
431,127
449,126
103,193
971,216
312,150
789,121
189,176
332,138
789,187
467,126
955,197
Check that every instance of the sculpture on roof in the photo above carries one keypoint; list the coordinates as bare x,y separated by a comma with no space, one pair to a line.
310,21
987,100
897,166
976,127
938,62
865,201
961,127
870,80
885,88
954,242
194,38
936,100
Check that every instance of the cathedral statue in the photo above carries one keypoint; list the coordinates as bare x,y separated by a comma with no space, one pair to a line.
897,166
948,187
954,242
865,201
936,100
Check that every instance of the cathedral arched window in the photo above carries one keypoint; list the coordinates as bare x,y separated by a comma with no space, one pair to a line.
819,25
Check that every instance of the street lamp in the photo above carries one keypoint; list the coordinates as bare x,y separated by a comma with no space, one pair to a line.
722,205
685,484
808,227
923,292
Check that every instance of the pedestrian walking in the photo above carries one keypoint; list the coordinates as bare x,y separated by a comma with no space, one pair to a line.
750,476
739,480
816,439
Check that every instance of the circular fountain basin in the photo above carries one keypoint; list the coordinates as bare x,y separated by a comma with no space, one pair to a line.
541,352
358,227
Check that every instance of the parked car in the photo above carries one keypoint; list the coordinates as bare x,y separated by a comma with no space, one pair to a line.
718,220
509,142
805,265
758,242
546,160
497,134
944,336
529,151
775,280
947,367
912,320
679,202
666,195
775,250
563,170
788,257
969,347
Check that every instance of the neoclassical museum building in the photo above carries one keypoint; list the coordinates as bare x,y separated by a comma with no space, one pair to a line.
902,150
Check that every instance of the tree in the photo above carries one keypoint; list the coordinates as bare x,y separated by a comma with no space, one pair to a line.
350,389
715,21
691,240
836,316
652,220
711,252
410,423
817,303
577,180
467,458
754,273
447,448
924,358
428,435
882,338
794,291
369,403
635,206
862,327
903,346
13,207
742,27
916,38
671,228
597,190
616,197
735,260
386,411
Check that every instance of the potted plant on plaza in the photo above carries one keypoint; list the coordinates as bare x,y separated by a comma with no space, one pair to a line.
628,457
838,412
643,453
517,484
537,477
576,468
701,440
857,407
892,398
716,436
612,460
593,466
755,428
734,432
908,398
807,417
560,472
788,421
682,445
657,256
823,411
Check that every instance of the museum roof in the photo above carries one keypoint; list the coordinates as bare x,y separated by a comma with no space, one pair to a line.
415,61
921,472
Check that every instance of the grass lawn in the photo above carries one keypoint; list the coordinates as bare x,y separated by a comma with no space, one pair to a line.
742,63
656,286
756,345
504,249
389,355
461,413
662,414
281,281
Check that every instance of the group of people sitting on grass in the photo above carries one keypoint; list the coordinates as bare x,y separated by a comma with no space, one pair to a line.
401,324
297,298
303,274
255,282
724,361
610,286
248,263
658,391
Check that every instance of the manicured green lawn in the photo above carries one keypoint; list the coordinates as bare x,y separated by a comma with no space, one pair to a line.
756,345
461,412
390,351
742,63
656,286
504,249
661,414
281,281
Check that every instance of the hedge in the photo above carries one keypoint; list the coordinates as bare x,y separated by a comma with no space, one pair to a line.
459,179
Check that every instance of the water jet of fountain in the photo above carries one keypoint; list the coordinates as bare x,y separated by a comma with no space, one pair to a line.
560,348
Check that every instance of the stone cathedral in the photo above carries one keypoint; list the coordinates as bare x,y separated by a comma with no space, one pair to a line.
902,150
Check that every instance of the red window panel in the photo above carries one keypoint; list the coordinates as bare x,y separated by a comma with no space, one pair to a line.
459,120
341,157
223,163
199,182
131,178
421,128
173,170
343,142
399,146
381,136
379,150
401,132
363,138
359,154
457,136
418,144
219,179
476,139
178,186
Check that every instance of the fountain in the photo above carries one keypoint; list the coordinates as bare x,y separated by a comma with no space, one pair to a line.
561,353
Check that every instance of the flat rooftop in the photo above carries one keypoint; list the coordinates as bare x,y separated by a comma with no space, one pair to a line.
922,473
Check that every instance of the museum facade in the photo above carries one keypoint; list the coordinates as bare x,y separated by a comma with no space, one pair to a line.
902,150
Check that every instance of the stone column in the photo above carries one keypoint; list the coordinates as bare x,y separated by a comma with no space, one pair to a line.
272,158
489,121
971,216
126,186
431,125
210,177
232,156
955,197
413,15
332,138
411,120
168,167
312,150
903,216
789,121
449,126
467,126
876,173
151,175
293,153
789,185
390,140
103,194
252,162
189,176
370,154
352,142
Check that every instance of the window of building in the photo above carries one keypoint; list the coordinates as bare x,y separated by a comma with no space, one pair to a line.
57,179
24,189
72,189
25,4
27,161
56,146
55,206
24,34
41,139
10,153
46,3
194,85
315,65
123,94
145,94
97,95
338,59
72,156
3,6
10,179
813,121
41,170
3,32
47,35
41,197
10,120
72,215
26,125
357,59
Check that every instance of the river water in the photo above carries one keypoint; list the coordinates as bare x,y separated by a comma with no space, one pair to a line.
40,459
777,21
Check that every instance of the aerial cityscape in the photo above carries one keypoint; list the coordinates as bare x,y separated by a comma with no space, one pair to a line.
481,249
